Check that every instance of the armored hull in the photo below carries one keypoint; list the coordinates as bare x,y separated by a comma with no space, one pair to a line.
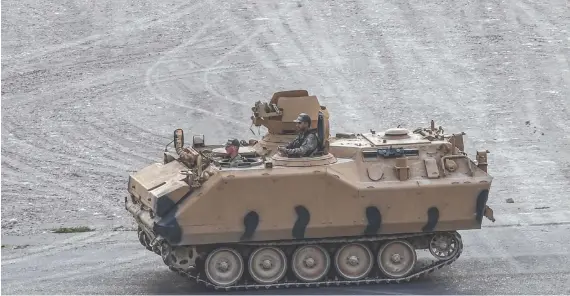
356,212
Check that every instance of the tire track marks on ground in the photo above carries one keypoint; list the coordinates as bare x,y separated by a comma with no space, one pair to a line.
156,89
96,150
74,242
140,24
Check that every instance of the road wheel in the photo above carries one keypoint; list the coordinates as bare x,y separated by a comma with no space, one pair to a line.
396,259
224,267
310,263
354,261
267,265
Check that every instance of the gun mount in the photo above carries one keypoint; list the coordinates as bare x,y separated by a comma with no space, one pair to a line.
278,117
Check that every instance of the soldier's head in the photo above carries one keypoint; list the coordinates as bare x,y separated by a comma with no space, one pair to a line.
303,122
232,147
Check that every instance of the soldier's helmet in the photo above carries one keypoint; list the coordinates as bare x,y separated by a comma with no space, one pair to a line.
303,117
232,142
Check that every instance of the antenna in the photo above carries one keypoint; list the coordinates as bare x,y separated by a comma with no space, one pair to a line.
166,147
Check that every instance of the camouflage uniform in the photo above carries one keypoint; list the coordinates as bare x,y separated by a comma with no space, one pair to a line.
303,146
234,162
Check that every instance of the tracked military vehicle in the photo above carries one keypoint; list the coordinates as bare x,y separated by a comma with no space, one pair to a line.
356,212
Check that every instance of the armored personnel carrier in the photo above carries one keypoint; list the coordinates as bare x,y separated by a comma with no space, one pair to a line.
355,212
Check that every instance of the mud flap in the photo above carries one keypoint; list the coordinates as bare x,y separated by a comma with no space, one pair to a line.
489,213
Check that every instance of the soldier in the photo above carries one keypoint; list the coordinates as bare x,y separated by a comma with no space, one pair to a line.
232,148
306,142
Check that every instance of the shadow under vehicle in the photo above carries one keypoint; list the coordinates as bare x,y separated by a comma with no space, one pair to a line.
356,212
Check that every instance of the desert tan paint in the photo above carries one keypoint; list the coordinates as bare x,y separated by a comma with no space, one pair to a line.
334,198
335,190
335,195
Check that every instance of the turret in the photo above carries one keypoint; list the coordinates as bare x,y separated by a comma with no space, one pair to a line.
278,117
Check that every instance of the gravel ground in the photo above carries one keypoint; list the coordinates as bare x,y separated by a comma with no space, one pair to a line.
93,90
497,261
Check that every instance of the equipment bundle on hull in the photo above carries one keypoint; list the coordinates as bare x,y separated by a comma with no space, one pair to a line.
354,212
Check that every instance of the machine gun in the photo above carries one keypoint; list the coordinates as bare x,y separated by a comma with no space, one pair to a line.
396,152
390,152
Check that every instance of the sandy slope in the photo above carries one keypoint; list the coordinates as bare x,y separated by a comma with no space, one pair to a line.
92,91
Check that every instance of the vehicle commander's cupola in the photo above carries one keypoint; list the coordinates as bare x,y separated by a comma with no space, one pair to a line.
396,134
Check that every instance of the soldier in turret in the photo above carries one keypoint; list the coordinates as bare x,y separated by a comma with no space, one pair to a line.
306,142
232,148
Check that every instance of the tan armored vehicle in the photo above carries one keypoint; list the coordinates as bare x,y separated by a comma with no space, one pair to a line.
356,211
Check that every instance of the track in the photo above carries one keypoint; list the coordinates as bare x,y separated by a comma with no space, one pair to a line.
93,90
374,277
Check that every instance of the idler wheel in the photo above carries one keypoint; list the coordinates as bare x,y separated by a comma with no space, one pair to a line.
224,267
444,246
267,265
354,261
310,263
396,259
